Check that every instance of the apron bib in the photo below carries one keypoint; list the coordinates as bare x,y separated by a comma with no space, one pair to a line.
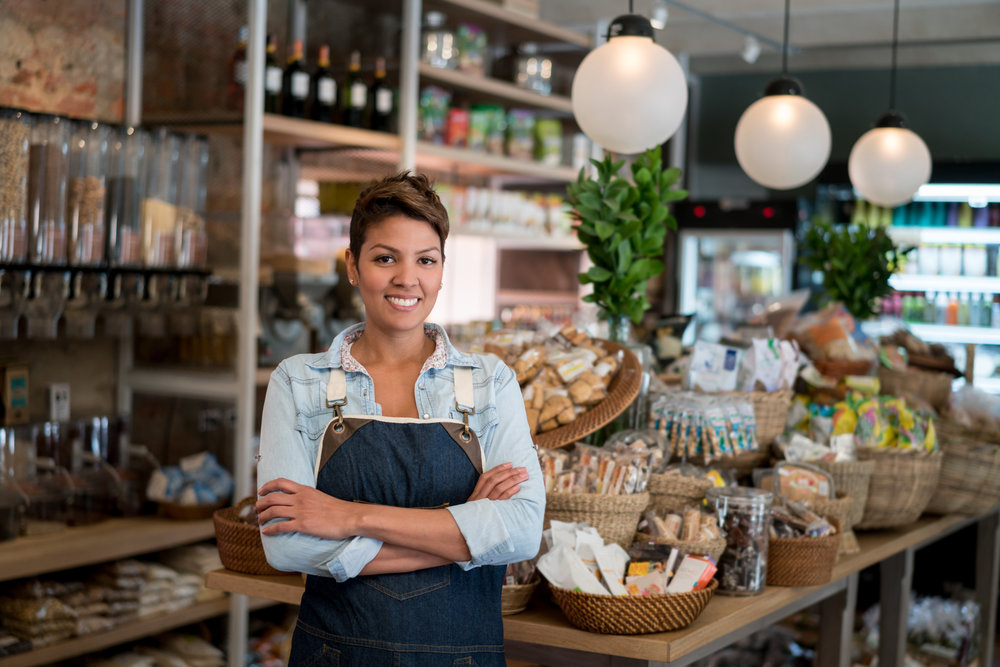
436,616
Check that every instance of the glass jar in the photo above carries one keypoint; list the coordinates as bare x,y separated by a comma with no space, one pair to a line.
15,136
192,239
158,213
87,193
45,484
531,70
12,501
126,154
437,44
48,167
745,516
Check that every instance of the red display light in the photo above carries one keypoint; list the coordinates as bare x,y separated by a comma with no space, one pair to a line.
699,211
767,212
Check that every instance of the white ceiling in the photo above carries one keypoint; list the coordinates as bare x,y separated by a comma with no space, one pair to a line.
823,34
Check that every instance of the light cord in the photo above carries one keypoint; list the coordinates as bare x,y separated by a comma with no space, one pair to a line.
784,45
895,47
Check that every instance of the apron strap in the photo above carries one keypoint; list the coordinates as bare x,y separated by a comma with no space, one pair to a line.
465,399
336,396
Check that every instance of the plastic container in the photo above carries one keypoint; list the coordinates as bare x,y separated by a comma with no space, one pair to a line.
15,136
48,168
127,150
437,44
745,516
192,239
87,193
158,212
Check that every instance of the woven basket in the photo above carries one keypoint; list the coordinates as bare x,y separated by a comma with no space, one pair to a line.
770,410
713,548
970,471
632,614
180,512
841,368
240,548
802,561
675,493
934,387
622,390
742,464
902,484
838,508
853,479
614,517
514,599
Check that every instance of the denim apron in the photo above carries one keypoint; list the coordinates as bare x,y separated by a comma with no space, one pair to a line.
436,616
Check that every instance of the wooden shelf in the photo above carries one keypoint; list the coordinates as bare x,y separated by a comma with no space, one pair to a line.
944,235
909,282
531,297
101,542
496,88
505,26
126,632
285,588
508,240
448,158
950,333
218,385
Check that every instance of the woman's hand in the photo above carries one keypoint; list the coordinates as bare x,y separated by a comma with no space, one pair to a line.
499,483
307,509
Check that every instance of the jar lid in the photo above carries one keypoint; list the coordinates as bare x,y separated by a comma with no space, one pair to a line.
740,495
435,19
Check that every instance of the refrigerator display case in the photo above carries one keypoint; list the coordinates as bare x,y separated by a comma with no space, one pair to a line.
726,274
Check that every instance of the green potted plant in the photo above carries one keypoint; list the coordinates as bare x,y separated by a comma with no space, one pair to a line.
856,260
622,224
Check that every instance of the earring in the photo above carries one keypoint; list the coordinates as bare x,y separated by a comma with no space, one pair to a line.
352,281
442,286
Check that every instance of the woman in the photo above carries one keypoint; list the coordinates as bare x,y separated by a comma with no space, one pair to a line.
396,471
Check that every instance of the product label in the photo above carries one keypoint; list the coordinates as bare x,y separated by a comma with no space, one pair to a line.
300,85
326,91
272,80
383,101
240,73
359,92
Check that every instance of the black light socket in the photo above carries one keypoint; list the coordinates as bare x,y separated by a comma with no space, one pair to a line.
784,85
891,118
630,25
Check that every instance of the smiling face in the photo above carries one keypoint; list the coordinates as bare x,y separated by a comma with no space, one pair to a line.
398,271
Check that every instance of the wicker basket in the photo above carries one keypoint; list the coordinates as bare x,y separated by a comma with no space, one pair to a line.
180,512
614,517
674,493
240,548
970,471
514,599
742,463
770,410
802,561
934,387
838,508
622,390
841,368
632,614
713,548
902,484
853,479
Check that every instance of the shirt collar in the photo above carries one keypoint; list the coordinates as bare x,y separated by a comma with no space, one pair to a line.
338,355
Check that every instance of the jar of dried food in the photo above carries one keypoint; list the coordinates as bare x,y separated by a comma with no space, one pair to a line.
126,156
745,516
437,43
48,168
12,501
15,136
87,193
192,239
158,211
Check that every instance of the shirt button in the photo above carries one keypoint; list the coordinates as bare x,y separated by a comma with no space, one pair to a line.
421,385
426,416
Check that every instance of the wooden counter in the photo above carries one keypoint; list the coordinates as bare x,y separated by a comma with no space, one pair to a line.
725,619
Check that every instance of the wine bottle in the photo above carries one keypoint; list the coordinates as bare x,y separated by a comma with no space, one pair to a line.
355,93
295,85
272,78
323,95
379,99
238,71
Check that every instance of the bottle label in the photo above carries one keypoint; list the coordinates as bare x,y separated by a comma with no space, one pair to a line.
272,80
326,91
241,72
383,101
359,91
300,85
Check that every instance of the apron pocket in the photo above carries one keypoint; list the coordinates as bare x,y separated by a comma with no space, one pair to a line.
408,585
324,657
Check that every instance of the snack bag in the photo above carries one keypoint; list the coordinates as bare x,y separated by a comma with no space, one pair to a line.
872,430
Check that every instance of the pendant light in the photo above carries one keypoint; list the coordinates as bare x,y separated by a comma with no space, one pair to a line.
629,94
890,162
782,140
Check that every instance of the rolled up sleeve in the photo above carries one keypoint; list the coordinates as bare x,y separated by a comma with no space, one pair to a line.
498,532
286,452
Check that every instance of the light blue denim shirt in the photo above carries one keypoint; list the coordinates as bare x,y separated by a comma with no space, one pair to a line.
295,417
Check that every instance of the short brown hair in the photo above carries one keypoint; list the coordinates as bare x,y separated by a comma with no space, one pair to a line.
404,193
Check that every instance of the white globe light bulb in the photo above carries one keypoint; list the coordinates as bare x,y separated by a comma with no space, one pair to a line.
629,94
888,164
782,141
